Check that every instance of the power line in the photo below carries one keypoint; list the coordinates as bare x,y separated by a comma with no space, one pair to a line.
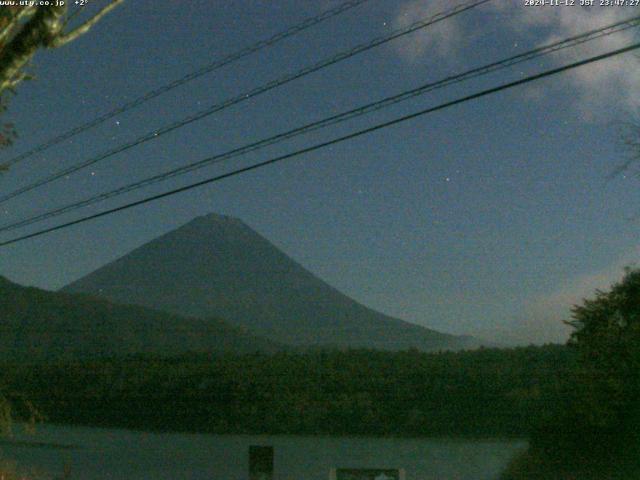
249,94
318,146
338,118
226,60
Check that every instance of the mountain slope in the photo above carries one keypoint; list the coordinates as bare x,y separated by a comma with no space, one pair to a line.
37,324
218,266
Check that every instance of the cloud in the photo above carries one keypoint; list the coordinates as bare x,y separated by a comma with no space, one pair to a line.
440,39
612,83
540,318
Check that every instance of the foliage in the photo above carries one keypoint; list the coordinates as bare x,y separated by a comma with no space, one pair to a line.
9,471
26,28
607,337
488,392
595,432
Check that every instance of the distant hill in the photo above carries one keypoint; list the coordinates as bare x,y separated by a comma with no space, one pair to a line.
218,266
36,324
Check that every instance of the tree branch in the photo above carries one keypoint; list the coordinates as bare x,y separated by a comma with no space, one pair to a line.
39,31
14,22
61,40
43,30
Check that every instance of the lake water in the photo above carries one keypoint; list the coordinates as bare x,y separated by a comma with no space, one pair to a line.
100,454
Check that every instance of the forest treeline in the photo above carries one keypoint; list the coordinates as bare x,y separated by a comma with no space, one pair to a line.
486,392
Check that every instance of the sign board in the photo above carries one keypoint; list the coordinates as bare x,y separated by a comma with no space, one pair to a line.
260,462
367,474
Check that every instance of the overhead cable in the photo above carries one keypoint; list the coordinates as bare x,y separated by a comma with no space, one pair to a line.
335,119
318,146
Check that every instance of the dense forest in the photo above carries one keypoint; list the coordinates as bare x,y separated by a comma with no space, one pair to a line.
487,392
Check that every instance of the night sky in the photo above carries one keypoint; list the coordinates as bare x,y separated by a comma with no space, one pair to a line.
489,218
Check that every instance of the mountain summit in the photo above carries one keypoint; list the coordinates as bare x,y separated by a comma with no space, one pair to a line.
217,266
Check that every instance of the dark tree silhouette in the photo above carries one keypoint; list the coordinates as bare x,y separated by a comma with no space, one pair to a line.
26,29
595,431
